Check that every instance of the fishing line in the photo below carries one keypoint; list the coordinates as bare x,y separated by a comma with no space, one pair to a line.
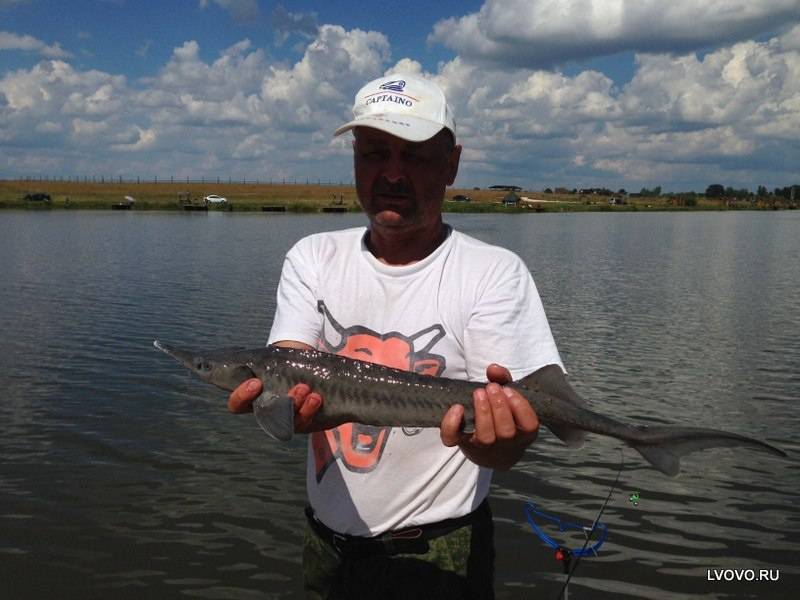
565,554
594,526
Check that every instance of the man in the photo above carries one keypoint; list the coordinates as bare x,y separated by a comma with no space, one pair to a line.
399,512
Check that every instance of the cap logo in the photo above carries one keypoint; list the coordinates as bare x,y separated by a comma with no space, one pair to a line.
398,85
402,104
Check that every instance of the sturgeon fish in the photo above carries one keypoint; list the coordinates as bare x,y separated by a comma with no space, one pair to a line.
364,392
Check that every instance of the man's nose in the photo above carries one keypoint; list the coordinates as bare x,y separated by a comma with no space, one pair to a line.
394,170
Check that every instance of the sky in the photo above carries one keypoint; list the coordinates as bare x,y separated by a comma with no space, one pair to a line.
546,93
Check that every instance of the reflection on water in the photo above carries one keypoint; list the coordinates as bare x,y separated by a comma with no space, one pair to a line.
120,474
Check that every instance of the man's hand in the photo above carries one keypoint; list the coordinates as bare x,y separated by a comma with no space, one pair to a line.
306,403
241,399
505,424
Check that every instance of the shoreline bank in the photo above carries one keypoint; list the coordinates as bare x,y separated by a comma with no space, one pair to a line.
310,198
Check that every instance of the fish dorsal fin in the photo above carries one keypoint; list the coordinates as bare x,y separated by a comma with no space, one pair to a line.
275,415
553,381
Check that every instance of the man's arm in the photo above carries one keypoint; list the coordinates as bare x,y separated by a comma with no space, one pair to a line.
505,424
306,402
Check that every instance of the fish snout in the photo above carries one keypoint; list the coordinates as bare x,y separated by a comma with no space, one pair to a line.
182,356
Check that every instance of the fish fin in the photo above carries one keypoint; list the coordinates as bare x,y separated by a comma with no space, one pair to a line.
551,380
275,415
668,444
661,459
571,436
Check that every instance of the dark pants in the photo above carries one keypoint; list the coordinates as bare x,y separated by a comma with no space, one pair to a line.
457,565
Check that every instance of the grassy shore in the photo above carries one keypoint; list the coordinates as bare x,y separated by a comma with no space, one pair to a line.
313,198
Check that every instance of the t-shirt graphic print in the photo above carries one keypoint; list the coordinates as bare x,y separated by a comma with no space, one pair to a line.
359,447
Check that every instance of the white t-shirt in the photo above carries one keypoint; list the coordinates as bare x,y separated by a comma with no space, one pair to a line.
451,314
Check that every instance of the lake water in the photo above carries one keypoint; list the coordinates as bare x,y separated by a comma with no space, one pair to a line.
121,476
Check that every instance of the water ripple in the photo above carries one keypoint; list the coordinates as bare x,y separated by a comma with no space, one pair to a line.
126,477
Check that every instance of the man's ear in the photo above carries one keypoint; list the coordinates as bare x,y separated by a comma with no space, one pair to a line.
453,161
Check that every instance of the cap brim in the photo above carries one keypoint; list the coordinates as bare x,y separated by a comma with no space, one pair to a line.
407,127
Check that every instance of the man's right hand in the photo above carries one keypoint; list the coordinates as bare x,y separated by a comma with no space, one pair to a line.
306,402
241,399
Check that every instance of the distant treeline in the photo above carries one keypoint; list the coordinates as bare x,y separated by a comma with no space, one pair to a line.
715,190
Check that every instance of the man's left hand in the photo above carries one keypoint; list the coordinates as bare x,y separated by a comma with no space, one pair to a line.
505,423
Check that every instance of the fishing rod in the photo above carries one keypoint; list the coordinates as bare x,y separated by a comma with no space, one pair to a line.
563,553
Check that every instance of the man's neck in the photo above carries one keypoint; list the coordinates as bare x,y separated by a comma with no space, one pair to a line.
399,250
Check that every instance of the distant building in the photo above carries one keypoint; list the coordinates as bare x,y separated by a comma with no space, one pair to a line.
511,199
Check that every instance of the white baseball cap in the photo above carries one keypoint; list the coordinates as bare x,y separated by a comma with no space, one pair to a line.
405,106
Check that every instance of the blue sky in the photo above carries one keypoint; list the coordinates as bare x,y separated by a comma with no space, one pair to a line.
110,35
577,93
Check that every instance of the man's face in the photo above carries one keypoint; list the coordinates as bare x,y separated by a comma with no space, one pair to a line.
401,184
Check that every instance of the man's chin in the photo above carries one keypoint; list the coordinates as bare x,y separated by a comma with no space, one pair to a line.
391,218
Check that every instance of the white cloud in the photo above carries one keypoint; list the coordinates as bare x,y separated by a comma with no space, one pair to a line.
542,33
145,139
236,70
83,128
747,86
27,43
682,118
49,127
51,86
227,115
723,111
188,90
254,146
103,101
406,65
314,91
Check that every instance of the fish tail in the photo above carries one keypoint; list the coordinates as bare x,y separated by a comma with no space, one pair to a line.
666,445
661,458
275,415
